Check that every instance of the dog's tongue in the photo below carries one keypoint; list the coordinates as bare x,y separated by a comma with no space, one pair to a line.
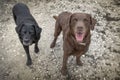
79,37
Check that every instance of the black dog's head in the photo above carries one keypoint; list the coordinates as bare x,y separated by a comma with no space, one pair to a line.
28,33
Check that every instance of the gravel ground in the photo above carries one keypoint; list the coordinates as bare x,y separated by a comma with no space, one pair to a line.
101,62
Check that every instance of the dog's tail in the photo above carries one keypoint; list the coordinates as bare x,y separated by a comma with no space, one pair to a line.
55,17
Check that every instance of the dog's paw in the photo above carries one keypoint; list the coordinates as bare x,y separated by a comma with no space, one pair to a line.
64,72
52,45
79,63
36,50
29,62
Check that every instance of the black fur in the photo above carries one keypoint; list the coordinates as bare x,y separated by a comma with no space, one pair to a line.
27,28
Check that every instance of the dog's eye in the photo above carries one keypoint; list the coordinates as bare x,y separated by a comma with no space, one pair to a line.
31,32
24,32
85,20
75,19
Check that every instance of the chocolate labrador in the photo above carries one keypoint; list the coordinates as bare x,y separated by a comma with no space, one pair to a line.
76,35
27,28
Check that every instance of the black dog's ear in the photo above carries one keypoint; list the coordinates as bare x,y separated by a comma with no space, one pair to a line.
18,28
38,31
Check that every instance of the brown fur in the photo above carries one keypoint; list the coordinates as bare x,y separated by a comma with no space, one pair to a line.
65,22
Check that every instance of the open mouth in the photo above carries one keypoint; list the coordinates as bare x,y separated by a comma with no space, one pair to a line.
27,44
79,36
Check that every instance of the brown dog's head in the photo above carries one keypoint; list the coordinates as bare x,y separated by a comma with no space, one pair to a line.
81,24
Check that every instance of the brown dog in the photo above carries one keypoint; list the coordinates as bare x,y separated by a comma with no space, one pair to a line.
76,35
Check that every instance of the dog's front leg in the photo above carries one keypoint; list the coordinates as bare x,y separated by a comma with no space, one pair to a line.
64,66
36,49
78,61
29,60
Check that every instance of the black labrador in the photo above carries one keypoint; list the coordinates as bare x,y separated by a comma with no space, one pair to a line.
27,28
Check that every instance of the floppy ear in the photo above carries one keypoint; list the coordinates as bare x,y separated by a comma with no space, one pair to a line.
92,22
69,20
18,28
38,31
70,24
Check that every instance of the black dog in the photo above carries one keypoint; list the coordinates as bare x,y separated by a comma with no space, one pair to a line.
27,28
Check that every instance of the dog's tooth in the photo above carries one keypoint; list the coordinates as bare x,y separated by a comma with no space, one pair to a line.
83,44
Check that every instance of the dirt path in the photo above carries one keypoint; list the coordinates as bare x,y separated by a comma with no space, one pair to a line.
101,62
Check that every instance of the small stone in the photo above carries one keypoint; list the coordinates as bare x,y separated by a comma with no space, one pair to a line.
108,64
18,53
2,58
51,50
83,55
23,55
14,50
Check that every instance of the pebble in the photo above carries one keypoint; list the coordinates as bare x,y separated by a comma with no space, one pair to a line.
2,58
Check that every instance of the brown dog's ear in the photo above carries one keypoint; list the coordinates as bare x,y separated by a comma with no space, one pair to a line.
69,23
55,17
70,20
92,22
